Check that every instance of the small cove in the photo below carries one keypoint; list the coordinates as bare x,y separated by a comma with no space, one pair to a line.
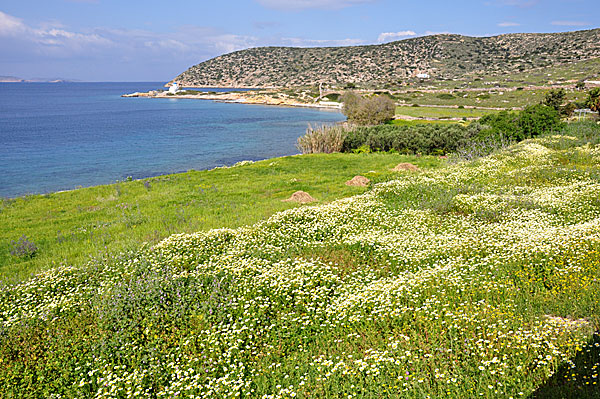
59,136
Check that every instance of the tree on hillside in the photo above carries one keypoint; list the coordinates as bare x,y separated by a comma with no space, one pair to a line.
593,100
554,98
367,111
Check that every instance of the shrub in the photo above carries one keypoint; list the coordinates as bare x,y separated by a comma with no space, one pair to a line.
555,98
23,248
333,97
324,139
537,119
531,122
593,100
566,111
445,96
480,148
415,139
367,111
477,139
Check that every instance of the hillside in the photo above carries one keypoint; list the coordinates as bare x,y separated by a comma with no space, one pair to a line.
442,56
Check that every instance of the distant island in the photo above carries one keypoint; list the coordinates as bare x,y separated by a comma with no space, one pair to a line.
14,79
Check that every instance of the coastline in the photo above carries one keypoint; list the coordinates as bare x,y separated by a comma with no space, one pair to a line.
250,97
158,176
110,138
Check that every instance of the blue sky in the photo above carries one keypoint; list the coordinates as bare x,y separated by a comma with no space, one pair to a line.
154,40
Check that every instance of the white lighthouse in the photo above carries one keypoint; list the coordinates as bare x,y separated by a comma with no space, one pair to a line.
174,87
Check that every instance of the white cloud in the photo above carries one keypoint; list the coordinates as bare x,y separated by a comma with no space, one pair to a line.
28,49
508,24
10,25
48,39
391,36
305,4
570,23
54,38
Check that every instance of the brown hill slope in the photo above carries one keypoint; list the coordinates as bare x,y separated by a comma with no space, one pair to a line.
441,56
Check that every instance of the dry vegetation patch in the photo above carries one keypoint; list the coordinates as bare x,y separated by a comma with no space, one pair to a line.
405,166
359,181
301,197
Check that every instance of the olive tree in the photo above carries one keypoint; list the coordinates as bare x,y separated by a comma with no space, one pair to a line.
367,111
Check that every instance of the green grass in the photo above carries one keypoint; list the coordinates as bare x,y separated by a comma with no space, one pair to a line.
493,98
70,227
441,113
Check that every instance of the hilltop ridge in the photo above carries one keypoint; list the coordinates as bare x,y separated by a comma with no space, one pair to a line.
443,56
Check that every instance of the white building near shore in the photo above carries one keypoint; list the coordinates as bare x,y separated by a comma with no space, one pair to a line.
174,87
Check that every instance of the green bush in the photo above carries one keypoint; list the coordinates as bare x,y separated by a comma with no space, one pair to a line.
367,111
492,131
531,122
445,96
566,111
555,98
415,139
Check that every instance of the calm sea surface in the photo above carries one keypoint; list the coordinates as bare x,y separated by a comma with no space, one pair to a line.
61,136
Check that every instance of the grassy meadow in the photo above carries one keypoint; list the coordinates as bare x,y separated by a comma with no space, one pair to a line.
476,279
442,113
69,228
492,98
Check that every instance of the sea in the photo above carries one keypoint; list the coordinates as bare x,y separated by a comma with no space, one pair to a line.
61,136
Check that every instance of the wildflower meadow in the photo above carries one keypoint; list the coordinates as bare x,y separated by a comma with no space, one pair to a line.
479,279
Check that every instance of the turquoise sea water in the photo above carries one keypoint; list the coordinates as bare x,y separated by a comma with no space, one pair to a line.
61,136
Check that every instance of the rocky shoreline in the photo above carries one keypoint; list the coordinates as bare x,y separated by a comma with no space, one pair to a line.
239,98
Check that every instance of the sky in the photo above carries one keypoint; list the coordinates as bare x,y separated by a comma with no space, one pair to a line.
155,40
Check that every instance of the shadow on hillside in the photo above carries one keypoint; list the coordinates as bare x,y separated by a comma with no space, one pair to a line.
577,382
